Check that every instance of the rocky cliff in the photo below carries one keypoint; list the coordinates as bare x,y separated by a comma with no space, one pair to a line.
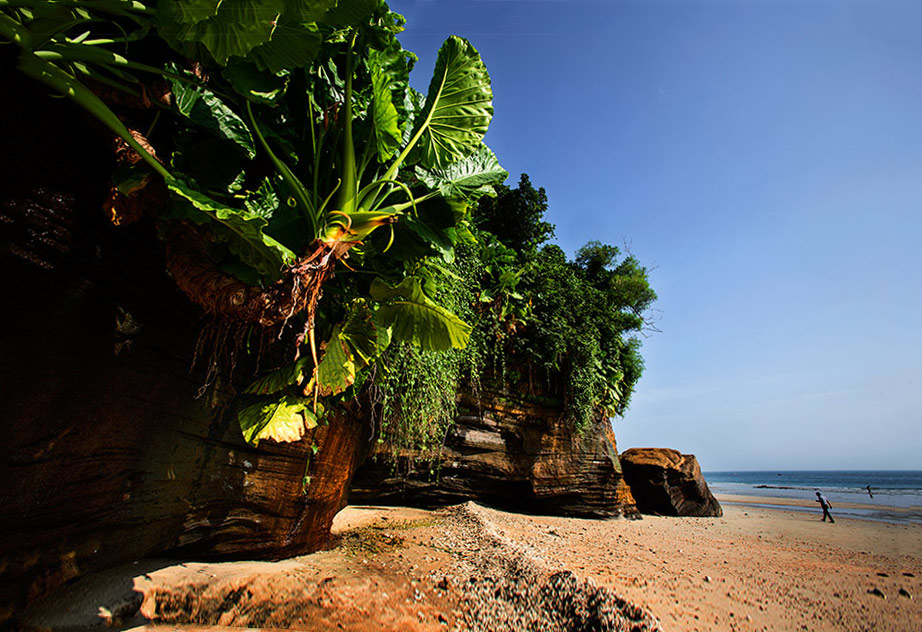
109,455
509,451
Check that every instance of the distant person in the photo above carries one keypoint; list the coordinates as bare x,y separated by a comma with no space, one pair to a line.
869,491
824,503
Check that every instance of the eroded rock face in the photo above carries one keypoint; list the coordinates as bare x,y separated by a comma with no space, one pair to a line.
666,482
109,455
509,452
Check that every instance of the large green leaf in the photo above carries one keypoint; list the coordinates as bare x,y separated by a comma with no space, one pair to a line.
427,325
336,371
459,107
439,240
204,108
469,179
226,28
292,45
414,103
277,34
350,13
264,201
414,317
360,333
384,336
354,344
309,10
390,76
284,419
243,231
257,85
280,379
189,12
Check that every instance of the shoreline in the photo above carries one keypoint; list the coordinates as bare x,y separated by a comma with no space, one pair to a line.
887,514
799,502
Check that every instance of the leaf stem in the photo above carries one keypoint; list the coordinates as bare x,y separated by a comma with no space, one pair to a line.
290,178
392,171
346,200
54,77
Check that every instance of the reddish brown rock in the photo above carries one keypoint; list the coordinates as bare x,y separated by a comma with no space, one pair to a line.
108,453
509,451
109,456
666,482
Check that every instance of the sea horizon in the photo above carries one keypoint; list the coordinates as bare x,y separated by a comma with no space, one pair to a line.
806,469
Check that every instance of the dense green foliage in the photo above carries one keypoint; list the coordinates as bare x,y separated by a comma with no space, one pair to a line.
560,329
516,216
584,318
417,389
574,323
285,139
288,140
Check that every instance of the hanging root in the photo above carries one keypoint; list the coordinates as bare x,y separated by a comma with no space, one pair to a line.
219,342
219,345
238,310
225,296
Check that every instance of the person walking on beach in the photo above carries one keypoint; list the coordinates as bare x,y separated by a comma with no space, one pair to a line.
824,503
869,491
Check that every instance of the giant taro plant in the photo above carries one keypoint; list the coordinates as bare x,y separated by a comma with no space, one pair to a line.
288,140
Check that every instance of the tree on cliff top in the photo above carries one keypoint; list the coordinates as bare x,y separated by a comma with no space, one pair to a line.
576,321
516,216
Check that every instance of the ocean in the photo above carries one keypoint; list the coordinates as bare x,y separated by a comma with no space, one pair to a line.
897,494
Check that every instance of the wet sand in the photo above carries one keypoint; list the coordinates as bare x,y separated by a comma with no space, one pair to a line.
811,504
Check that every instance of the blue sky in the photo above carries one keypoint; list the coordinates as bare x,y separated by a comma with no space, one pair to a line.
765,158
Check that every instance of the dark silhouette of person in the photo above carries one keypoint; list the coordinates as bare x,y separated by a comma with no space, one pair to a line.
869,491
824,503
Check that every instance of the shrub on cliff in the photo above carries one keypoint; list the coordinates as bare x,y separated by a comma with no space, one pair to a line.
574,322
565,329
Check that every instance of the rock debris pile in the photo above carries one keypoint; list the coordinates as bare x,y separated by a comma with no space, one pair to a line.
509,587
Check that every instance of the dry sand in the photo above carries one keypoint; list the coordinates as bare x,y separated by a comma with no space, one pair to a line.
753,569
394,568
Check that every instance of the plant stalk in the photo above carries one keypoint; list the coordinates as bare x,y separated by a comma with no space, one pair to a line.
346,201
291,179
54,77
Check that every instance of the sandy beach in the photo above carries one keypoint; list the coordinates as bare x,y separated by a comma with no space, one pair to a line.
753,569
473,567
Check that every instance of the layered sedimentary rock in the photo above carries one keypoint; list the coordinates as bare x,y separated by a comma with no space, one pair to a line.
109,453
509,451
666,482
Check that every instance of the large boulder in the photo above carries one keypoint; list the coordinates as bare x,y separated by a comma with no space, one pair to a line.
666,482
510,451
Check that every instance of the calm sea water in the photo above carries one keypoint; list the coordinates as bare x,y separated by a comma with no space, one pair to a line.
897,494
